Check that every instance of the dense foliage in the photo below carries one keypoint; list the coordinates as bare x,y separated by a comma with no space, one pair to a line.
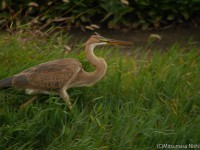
90,14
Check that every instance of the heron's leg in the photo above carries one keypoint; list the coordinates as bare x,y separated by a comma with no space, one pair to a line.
28,102
65,97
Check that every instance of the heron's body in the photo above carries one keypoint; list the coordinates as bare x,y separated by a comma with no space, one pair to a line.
59,75
51,75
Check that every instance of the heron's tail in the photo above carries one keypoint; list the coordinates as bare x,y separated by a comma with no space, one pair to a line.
6,83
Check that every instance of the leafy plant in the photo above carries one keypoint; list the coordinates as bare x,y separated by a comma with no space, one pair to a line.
143,14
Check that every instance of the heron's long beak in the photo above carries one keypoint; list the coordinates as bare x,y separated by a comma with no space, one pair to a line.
116,42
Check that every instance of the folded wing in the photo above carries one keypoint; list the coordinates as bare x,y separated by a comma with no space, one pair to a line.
49,75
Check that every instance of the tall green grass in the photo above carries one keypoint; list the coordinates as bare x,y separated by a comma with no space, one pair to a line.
143,101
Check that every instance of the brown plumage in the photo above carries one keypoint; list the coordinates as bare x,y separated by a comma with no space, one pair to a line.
59,75
51,75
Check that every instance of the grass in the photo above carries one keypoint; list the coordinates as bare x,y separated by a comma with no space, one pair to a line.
143,101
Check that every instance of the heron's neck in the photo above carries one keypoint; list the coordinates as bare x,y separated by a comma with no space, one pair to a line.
98,63
91,57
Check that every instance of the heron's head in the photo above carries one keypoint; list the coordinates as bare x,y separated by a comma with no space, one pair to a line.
97,39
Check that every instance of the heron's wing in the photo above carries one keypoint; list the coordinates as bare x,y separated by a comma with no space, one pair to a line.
52,66
49,75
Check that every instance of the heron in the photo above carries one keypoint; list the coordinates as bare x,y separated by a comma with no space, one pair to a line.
58,76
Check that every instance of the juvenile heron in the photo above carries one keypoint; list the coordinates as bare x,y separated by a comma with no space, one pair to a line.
59,75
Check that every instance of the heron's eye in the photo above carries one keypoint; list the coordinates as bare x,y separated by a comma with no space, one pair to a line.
103,40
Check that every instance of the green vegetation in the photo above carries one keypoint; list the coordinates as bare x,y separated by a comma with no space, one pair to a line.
131,14
144,100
